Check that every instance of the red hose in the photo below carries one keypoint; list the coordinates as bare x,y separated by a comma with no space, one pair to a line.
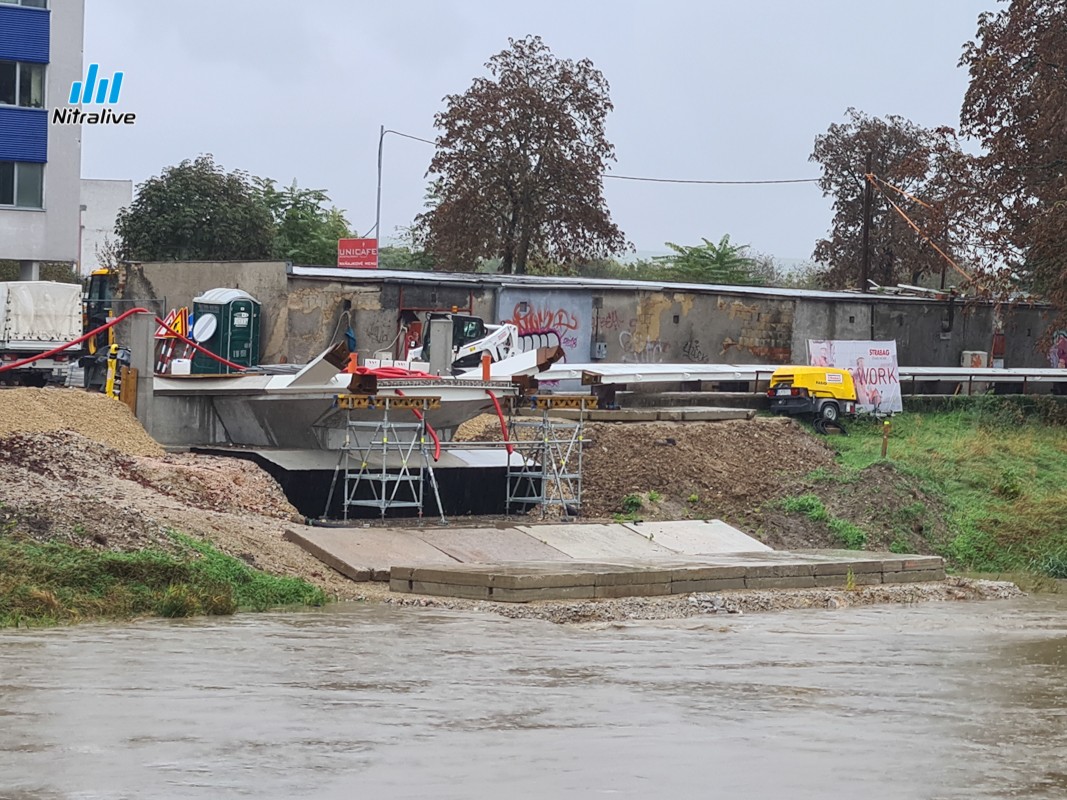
503,425
195,346
79,340
389,373
107,325
429,428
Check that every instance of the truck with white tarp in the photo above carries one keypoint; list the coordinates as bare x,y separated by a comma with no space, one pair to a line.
35,317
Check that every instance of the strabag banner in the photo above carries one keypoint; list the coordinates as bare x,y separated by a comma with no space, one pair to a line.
873,366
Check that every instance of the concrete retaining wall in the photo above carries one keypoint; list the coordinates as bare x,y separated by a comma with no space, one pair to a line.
304,313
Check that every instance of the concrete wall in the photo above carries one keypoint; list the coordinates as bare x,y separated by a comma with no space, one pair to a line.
1023,330
647,327
101,202
171,421
303,315
316,318
568,312
167,285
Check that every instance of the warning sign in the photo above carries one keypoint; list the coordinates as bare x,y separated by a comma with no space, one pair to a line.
175,324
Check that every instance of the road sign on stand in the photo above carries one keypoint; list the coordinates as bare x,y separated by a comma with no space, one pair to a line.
175,324
165,331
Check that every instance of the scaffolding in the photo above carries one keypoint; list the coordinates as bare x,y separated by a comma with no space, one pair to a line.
392,459
544,466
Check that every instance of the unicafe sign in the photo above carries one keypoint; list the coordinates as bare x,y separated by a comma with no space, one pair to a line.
94,90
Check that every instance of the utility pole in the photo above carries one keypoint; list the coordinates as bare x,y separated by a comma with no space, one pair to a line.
865,263
943,264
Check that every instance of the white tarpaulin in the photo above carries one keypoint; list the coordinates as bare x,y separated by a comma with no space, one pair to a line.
33,313
873,366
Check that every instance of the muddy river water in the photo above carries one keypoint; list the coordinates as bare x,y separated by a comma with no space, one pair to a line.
940,700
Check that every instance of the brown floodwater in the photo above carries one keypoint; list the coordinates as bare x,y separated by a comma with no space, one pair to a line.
961,700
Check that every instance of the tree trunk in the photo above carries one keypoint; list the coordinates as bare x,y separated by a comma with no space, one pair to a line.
523,253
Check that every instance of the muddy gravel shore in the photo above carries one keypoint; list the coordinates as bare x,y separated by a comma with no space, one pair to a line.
695,605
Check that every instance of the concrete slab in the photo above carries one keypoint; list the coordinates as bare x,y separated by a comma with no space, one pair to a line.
489,545
596,542
364,553
697,537
696,414
552,593
450,590
662,575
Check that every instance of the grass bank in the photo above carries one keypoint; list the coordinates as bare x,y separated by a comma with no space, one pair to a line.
53,583
1000,466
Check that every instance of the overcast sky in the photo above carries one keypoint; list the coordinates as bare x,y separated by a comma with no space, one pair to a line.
711,90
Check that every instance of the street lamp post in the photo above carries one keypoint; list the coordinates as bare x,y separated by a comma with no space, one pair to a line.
378,205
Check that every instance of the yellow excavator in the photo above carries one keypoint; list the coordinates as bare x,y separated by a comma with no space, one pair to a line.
103,356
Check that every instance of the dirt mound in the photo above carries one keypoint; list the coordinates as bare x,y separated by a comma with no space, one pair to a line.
725,469
63,485
721,469
95,416
890,507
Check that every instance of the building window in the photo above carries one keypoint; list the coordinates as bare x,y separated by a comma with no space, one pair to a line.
21,84
21,184
27,3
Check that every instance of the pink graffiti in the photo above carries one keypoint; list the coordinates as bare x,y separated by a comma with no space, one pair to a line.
1058,354
542,319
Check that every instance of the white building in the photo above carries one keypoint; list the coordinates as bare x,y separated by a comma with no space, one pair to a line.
40,163
101,202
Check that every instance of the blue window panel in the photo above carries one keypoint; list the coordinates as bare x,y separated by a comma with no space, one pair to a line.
24,34
24,135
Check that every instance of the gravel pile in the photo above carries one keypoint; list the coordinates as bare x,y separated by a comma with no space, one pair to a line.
95,416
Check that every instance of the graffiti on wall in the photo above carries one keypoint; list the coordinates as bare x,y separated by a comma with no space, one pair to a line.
693,351
639,348
530,318
612,321
1057,356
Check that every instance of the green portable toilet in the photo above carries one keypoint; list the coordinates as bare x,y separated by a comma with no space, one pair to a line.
226,322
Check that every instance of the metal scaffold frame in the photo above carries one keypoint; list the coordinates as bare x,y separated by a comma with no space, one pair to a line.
404,452
544,466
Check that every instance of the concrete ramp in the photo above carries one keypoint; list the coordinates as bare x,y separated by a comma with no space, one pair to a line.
489,545
698,537
365,554
596,542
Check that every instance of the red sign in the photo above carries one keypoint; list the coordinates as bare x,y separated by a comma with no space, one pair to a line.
177,321
357,253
